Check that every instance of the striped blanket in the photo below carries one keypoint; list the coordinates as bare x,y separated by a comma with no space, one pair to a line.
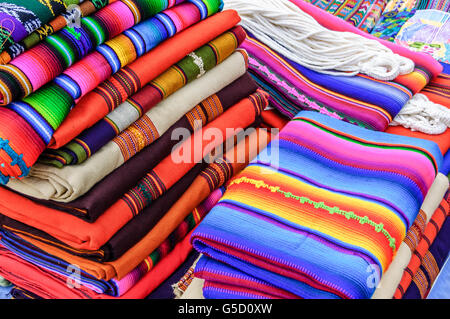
322,209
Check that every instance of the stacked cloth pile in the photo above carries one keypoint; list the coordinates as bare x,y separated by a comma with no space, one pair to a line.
325,216
116,138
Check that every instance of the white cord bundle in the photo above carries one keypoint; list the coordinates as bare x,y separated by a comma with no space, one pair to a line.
285,28
421,114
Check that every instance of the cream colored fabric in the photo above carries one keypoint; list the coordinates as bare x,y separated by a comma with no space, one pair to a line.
69,183
195,290
391,278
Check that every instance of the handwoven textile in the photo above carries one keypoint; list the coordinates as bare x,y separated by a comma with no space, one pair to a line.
422,61
432,263
325,216
83,9
113,287
390,23
112,187
98,103
427,31
445,169
443,5
71,182
35,135
60,51
391,278
92,139
19,18
438,90
359,100
212,177
363,14
225,282
81,237
442,140
440,287
430,233
50,286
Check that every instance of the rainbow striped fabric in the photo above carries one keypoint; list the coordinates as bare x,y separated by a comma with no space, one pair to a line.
321,209
41,64
363,14
38,115
359,100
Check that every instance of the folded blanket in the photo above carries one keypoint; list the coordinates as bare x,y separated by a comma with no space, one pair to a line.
213,177
20,18
439,289
391,278
114,287
326,216
128,81
83,9
427,31
103,100
80,237
46,285
432,263
71,182
112,187
60,51
360,100
420,253
443,5
363,14
438,90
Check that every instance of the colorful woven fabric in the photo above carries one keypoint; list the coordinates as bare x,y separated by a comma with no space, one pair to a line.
363,14
113,287
80,237
391,278
43,63
359,100
432,263
84,9
438,90
439,289
443,5
45,109
76,180
19,18
92,139
420,253
326,216
427,31
44,284
112,187
390,23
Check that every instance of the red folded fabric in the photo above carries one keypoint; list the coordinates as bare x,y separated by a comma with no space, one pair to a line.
49,286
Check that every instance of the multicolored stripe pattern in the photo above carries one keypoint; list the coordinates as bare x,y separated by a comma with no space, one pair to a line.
41,64
120,122
45,109
85,8
359,100
363,14
320,207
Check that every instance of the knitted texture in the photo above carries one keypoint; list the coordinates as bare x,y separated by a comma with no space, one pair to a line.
311,218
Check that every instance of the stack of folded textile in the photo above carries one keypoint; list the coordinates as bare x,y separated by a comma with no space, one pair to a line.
100,193
360,99
319,219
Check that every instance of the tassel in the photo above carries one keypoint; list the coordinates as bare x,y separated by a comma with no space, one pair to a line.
421,114
288,30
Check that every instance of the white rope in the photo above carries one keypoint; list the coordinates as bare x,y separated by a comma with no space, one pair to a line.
285,28
421,114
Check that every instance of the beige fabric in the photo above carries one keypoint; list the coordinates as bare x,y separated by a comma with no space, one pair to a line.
69,183
195,290
392,277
